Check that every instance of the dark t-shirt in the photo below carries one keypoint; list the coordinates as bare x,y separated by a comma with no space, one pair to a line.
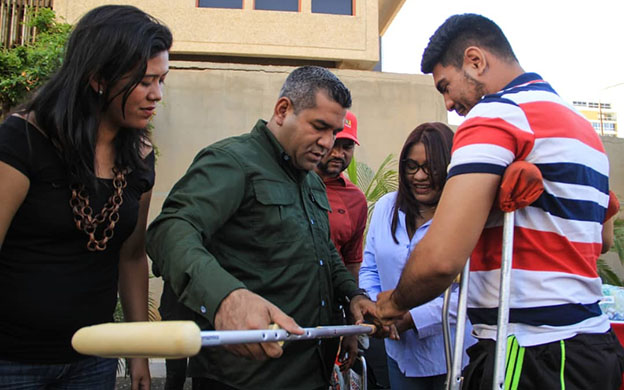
50,284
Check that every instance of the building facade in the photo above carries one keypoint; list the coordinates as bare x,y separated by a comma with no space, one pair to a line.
601,115
230,57
334,33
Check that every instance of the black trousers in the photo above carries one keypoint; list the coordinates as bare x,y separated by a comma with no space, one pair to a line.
583,362
209,384
171,309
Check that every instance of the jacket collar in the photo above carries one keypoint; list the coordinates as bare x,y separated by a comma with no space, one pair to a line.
268,140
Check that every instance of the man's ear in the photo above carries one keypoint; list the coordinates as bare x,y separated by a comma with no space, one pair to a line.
282,106
475,60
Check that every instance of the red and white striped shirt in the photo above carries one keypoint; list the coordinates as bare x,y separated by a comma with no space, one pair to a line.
555,288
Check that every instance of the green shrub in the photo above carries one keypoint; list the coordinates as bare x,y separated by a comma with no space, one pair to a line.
24,68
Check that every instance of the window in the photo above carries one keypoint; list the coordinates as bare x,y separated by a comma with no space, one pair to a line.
237,4
596,126
277,5
336,7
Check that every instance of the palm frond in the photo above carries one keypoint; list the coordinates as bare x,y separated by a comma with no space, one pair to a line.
364,176
374,184
352,171
607,275
378,177
618,232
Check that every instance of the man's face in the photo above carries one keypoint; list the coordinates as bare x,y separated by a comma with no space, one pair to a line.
309,135
338,159
460,90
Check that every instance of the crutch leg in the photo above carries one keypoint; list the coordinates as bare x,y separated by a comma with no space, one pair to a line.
454,364
503,302
364,373
446,331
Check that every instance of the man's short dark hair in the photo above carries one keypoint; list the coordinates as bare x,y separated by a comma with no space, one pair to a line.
447,45
303,83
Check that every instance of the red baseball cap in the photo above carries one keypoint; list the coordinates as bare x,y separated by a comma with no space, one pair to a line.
350,128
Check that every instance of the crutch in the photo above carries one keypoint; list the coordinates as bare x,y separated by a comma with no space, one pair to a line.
520,186
364,373
454,358
178,339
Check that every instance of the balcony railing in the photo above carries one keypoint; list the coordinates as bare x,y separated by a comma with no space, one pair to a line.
14,15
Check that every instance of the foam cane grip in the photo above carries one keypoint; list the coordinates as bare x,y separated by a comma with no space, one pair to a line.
162,339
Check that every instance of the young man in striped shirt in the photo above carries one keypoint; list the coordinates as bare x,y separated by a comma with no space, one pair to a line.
560,338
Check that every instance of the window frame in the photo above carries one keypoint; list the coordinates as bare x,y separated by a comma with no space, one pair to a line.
277,10
326,13
198,6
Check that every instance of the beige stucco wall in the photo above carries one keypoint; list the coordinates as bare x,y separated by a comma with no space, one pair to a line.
615,150
205,102
352,40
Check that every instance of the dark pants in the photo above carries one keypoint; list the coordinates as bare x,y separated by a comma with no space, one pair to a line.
176,374
583,362
376,360
209,384
93,373
171,309
398,381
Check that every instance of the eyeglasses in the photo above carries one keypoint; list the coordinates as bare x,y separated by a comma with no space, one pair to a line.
412,167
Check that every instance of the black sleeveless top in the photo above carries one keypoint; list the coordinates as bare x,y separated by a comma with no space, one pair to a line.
50,284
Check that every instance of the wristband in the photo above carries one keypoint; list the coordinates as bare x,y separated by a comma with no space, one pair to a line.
356,292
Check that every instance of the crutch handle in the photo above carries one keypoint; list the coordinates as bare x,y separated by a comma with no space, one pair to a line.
167,339
521,185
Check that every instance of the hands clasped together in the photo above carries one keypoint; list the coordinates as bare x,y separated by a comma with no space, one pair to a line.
243,309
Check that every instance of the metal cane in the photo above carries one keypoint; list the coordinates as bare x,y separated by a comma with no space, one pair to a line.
177,339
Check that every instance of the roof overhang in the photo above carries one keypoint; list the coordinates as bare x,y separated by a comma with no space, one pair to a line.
388,9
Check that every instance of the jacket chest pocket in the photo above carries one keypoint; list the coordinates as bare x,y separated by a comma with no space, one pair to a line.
320,209
276,212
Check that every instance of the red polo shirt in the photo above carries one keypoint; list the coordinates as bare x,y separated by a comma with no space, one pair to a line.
347,219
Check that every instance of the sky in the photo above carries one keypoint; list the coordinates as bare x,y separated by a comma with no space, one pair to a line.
577,46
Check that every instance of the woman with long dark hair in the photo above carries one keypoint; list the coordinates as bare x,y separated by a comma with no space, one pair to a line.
76,172
400,219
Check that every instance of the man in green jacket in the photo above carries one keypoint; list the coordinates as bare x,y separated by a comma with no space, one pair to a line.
243,240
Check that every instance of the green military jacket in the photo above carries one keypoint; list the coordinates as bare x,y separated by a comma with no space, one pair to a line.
243,217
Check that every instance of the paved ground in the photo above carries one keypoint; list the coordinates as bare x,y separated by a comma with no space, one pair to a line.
157,384
157,371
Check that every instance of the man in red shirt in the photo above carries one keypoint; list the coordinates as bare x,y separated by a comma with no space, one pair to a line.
347,218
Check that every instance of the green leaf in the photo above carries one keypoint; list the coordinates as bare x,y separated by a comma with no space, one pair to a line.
607,275
24,68
352,171
374,184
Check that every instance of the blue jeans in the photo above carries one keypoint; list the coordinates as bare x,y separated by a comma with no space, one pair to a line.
92,373
398,381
